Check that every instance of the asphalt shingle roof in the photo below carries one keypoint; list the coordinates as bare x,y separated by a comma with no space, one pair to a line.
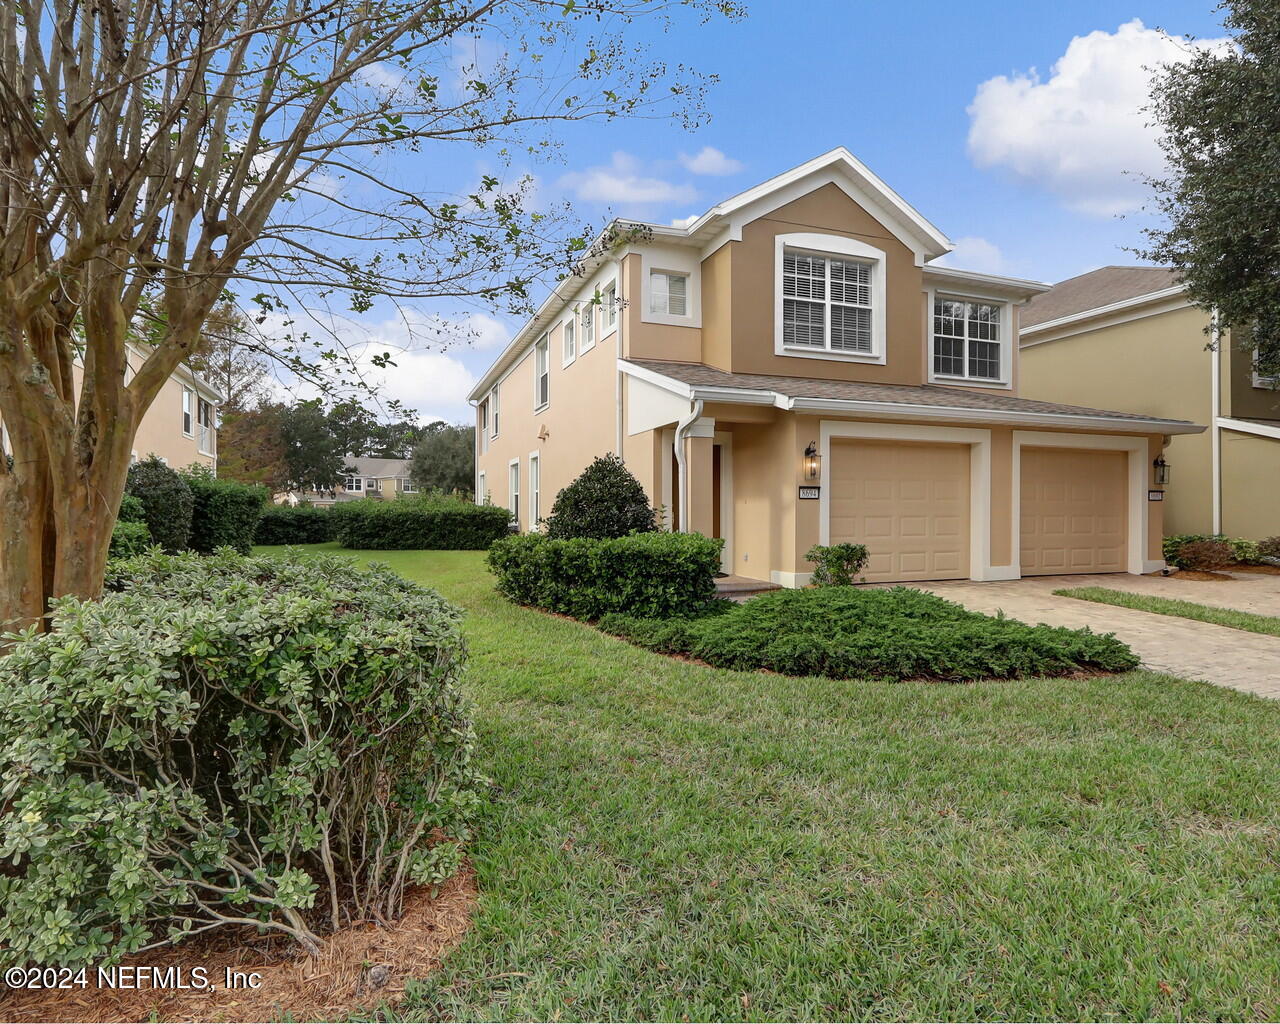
982,400
1097,288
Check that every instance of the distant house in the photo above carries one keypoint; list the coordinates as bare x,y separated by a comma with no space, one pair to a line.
366,478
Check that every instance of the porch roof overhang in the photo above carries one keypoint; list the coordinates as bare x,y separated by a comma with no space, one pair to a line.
699,382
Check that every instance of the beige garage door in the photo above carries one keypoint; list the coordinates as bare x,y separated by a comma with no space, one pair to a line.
908,503
1073,511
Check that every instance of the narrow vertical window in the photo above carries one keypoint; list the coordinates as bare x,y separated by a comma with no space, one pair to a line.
187,396
588,317
513,491
493,412
611,305
570,343
541,372
535,491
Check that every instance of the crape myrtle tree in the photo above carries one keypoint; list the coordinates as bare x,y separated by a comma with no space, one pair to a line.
1219,112
158,156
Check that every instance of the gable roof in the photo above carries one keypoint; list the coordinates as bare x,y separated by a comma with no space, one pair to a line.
1095,290
699,381
363,465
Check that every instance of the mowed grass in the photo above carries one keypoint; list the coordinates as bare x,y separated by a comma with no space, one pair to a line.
669,841
1248,621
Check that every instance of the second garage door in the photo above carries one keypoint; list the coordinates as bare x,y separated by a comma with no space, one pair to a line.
1073,511
908,503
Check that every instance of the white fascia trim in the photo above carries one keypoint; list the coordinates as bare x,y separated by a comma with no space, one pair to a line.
979,442
1245,427
660,380
738,396
1100,311
1006,287
960,414
1139,476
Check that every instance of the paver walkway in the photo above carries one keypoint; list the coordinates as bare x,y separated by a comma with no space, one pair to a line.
1181,647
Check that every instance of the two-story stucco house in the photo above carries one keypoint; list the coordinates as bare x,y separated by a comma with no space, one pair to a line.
367,477
1128,336
792,368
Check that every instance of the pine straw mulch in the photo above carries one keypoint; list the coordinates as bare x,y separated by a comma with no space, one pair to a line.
360,967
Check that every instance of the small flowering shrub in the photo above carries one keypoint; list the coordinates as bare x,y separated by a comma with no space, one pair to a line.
228,741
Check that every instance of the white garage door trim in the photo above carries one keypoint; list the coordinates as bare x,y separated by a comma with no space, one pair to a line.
1136,447
979,440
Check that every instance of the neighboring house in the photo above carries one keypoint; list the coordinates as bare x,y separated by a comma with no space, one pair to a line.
792,368
181,425
1128,335
366,478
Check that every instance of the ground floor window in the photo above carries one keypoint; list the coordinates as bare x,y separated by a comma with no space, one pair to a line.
535,489
513,490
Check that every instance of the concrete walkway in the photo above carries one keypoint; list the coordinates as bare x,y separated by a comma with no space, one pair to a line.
1182,647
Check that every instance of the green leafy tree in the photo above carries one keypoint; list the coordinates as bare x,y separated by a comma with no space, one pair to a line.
1220,115
156,156
313,456
251,446
353,427
445,458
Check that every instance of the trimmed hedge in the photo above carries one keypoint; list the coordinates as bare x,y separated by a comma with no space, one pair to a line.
290,524
224,513
281,739
420,524
128,539
166,500
646,574
852,633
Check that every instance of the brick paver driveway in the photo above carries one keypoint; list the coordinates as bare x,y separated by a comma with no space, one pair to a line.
1181,647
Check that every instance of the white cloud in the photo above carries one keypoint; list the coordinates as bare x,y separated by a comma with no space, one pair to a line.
1079,131
684,222
486,331
974,253
710,160
623,182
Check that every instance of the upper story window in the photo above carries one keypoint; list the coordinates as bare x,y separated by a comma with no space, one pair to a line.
826,302
206,424
610,306
569,344
188,412
588,318
541,374
668,293
493,411
968,339
484,426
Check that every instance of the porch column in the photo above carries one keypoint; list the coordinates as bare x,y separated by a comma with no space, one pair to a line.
700,473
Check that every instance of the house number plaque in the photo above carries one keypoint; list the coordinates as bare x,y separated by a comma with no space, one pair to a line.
810,492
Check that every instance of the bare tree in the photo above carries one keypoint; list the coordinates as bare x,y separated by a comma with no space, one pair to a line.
155,153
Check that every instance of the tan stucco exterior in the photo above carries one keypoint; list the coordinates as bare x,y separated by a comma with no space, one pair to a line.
600,404
1159,360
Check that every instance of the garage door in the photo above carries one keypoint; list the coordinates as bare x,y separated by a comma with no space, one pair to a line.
1073,511
908,503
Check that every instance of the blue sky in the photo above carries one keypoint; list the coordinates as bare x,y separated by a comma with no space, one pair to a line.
1008,126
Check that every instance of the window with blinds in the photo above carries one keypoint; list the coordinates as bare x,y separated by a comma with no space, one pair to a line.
826,303
668,293
966,339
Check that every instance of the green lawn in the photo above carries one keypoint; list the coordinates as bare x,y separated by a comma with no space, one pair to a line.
1249,621
670,841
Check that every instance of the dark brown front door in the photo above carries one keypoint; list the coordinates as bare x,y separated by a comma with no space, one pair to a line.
715,492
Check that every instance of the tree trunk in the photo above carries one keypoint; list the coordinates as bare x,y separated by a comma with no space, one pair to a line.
26,535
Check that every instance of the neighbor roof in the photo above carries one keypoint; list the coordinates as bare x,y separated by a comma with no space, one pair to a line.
381,468
797,392
1097,288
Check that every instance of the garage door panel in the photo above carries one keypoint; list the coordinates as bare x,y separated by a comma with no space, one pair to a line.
908,503
1074,511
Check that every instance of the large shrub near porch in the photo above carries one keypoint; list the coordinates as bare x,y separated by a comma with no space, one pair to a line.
224,513
855,633
606,500
646,574
166,501
428,523
223,740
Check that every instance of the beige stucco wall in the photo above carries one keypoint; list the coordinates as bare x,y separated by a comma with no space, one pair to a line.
1250,485
1156,365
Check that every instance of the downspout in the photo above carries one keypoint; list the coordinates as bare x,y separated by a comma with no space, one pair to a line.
620,343
682,469
1215,410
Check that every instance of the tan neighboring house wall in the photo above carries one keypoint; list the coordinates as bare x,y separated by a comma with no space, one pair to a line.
1157,355
713,402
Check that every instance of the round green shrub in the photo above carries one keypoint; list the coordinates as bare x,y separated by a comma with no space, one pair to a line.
167,502
224,513
604,501
131,510
294,524
837,565
280,741
128,539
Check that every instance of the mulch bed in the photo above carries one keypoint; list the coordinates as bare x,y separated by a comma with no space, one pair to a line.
360,967
1259,570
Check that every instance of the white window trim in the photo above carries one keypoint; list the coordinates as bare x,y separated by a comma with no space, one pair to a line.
534,510
513,494
1007,345
1259,381
545,343
482,491
408,487
609,314
567,358
662,316
482,427
979,441
586,315
211,433
832,245
1139,482
353,484
188,411
494,409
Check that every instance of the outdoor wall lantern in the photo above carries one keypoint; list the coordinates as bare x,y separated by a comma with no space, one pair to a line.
1162,470
812,462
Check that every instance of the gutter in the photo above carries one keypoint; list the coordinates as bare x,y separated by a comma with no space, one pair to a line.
1215,414
682,468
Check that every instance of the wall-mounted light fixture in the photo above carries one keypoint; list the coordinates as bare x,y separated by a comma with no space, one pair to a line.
812,462
1162,470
